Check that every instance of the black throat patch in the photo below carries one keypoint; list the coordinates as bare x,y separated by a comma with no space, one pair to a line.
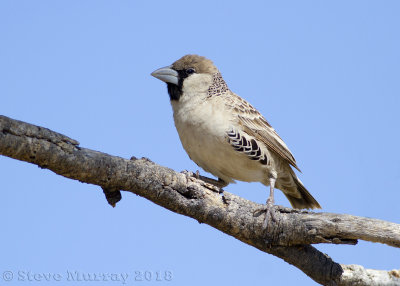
175,91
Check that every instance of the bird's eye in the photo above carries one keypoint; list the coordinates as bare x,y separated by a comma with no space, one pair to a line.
190,71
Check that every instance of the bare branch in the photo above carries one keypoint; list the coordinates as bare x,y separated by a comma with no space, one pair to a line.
288,238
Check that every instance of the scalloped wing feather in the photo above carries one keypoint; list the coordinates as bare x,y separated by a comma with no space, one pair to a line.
255,125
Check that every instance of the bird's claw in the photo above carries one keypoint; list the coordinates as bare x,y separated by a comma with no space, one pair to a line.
211,184
188,174
270,213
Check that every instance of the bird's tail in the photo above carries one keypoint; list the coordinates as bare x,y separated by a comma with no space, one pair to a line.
306,200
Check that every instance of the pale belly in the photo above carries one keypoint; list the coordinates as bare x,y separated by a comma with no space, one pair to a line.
209,148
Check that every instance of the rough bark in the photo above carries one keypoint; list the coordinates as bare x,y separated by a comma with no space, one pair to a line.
288,238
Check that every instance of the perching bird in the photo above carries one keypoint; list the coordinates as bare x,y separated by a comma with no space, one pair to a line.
226,136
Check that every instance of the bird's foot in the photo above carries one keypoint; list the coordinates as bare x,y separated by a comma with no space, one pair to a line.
219,184
209,183
270,213
188,174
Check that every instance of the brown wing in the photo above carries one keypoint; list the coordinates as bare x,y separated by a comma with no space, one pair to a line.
254,124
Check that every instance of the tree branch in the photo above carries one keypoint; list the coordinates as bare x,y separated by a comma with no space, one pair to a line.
288,238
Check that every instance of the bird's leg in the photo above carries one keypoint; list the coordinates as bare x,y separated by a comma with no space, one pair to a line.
222,184
269,207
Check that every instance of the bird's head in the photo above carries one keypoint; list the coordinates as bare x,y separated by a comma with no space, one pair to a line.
191,73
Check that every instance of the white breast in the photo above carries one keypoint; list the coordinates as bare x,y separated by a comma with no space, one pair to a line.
202,125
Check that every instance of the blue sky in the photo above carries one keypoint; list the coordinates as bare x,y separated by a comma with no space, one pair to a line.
325,74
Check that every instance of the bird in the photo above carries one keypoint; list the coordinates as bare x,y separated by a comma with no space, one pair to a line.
226,136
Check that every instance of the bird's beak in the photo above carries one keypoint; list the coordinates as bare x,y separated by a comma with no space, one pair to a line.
166,74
